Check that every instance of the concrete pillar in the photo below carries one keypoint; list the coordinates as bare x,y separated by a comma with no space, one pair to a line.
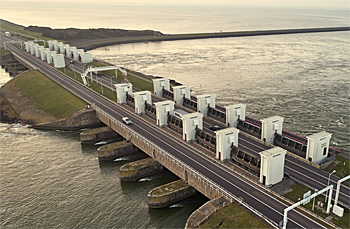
203,101
162,110
49,56
58,61
317,147
140,99
66,48
270,126
36,50
159,84
77,53
52,44
27,46
234,113
122,89
180,92
224,140
31,46
86,57
42,50
272,166
71,52
190,122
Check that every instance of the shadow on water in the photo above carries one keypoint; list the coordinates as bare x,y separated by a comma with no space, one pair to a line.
163,216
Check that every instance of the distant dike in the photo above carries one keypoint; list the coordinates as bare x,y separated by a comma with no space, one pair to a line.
88,39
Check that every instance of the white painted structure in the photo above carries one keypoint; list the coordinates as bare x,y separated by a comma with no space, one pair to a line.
159,84
203,101
49,56
272,166
58,47
317,147
36,50
42,52
270,126
141,98
190,122
180,92
162,110
86,57
225,138
58,61
234,113
123,89
70,50
66,48
27,46
31,47
77,53
52,44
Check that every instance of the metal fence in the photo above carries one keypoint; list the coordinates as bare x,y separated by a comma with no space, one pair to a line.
231,197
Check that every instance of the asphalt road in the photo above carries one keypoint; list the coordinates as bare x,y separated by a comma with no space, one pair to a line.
307,174
261,201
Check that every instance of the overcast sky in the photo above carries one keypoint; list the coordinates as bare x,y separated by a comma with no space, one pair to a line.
345,4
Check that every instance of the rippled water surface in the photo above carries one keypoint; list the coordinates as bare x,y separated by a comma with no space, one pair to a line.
302,77
49,180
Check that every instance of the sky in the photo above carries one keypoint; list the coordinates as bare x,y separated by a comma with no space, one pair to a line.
345,4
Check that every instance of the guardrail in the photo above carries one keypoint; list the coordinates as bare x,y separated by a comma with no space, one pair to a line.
189,169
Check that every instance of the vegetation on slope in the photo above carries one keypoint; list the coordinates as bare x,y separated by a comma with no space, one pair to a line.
88,34
37,99
233,216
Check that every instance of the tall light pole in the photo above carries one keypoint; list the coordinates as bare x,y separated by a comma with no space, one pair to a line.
328,184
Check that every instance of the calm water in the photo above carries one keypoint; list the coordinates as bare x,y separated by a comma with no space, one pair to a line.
48,179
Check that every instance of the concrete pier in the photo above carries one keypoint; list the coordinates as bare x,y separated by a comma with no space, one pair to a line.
95,135
170,193
136,170
115,150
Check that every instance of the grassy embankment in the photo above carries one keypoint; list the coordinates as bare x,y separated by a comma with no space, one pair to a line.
3,51
342,168
48,96
299,190
233,216
19,30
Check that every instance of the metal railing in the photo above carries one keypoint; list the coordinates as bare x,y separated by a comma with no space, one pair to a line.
231,197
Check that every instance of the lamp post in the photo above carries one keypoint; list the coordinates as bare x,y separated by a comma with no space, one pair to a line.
328,184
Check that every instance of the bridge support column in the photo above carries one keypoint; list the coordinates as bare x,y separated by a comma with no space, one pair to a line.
189,124
181,92
270,126
317,147
163,109
121,90
272,166
224,140
203,102
141,98
159,85
234,113
36,50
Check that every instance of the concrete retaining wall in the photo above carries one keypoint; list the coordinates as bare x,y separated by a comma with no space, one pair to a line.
115,150
135,170
192,179
171,193
98,134
203,213
84,118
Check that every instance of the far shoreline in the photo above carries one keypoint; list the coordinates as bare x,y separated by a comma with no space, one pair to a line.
98,43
